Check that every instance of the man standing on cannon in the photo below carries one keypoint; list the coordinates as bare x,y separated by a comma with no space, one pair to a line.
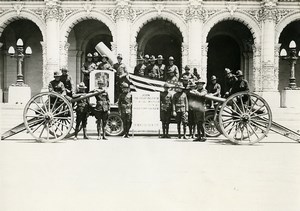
82,110
102,109
125,108
180,109
199,112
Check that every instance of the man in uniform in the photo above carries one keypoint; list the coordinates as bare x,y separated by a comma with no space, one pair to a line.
82,110
152,69
86,69
56,85
96,60
196,74
121,72
171,79
192,106
185,81
200,92
102,109
180,109
66,79
172,66
139,69
162,68
125,108
165,110
214,89
188,74
241,84
230,79
104,65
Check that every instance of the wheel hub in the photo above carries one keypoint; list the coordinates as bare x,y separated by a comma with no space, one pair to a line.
245,118
48,116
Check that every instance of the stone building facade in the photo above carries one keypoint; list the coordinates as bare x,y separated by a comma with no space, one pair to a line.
208,35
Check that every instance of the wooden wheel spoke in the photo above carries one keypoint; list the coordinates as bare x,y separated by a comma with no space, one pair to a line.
242,103
57,108
231,120
54,104
57,126
42,130
64,111
44,104
261,127
39,106
232,110
248,132
253,130
236,106
42,123
253,104
36,111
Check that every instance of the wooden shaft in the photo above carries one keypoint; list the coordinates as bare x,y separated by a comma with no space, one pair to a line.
88,95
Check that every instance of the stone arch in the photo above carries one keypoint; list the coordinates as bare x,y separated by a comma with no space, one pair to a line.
165,15
239,16
12,15
284,22
71,21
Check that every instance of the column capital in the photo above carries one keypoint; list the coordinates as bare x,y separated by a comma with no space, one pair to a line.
123,11
268,10
195,11
53,10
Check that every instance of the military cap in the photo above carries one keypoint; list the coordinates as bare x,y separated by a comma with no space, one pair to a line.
227,70
146,56
187,67
81,85
191,84
239,73
213,78
171,58
160,57
64,69
125,85
167,85
200,81
185,78
179,86
57,73
96,54
119,56
152,58
89,55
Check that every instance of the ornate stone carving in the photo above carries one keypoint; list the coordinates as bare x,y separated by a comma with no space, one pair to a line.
18,7
64,48
53,12
88,6
114,47
277,14
159,8
123,12
231,8
195,12
268,76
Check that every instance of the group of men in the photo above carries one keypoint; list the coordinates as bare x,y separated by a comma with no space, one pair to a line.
187,105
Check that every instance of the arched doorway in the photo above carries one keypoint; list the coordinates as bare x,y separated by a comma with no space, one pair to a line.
160,37
289,33
83,38
229,46
32,67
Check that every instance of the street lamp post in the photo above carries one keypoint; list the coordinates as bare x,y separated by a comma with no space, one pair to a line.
19,55
292,57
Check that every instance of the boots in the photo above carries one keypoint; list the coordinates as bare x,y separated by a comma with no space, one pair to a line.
76,133
164,130
167,131
178,130
84,134
184,132
103,131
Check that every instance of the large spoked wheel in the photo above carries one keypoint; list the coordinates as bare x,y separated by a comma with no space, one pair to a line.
48,117
245,118
210,128
114,126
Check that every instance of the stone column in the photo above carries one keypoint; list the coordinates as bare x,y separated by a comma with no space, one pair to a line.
195,16
53,14
133,55
203,69
64,48
122,16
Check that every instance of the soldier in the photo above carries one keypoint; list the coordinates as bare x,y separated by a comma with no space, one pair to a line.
196,74
214,89
180,109
82,111
165,110
162,68
96,60
188,74
191,115
185,81
125,108
139,69
86,69
200,111
230,79
102,109
104,65
152,69
241,84
66,79
172,79
56,85
120,75
172,66
146,60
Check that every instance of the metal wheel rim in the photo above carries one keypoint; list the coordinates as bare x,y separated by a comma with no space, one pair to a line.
245,122
114,126
48,117
210,126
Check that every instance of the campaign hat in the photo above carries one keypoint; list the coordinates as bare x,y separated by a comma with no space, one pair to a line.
57,73
82,85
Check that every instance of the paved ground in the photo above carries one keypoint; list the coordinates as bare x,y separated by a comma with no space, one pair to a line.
150,174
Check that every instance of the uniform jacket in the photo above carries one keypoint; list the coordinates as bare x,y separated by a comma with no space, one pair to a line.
68,83
175,68
140,70
103,103
229,82
240,86
82,105
120,68
165,101
57,86
214,89
104,66
162,71
198,102
152,71
87,68
125,103
180,102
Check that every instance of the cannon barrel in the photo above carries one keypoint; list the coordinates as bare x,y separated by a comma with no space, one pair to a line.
88,95
214,98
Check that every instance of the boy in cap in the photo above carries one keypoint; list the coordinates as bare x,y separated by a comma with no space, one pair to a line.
125,108
180,109
104,65
200,110
86,69
82,111
214,89
165,110
102,109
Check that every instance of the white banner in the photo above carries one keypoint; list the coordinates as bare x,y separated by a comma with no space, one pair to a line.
146,111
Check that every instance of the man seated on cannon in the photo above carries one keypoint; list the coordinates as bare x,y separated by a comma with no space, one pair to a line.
214,89
230,79
199,111
68,83
56,85
165,110
82,111
102,109
125,108
180,109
